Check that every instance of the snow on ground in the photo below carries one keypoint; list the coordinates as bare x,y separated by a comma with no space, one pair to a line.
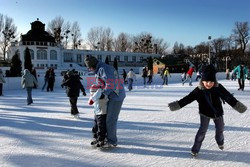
44,134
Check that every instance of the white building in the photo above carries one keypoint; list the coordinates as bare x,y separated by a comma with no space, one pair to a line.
45,53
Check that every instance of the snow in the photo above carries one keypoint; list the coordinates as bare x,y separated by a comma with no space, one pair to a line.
149,134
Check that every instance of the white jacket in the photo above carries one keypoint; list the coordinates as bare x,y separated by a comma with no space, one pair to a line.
100,105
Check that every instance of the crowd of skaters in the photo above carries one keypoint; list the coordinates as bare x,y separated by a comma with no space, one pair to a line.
108,100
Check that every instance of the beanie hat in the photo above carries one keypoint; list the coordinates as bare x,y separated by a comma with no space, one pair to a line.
70,73
94,88
90,61
209,74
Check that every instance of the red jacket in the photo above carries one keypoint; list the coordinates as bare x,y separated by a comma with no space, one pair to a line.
190,71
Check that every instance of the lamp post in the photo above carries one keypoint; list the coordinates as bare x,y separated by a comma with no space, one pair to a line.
209,55
227,58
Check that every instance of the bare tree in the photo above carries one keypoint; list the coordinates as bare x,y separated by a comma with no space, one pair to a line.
121,42
94,37
59,29
9,33
241,35
76,35
218,44
108,38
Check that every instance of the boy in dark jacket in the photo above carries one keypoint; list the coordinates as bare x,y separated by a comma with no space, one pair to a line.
73,87
209,94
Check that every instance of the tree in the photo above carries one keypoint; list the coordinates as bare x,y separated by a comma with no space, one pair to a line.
59,30
115,65
241,35
76,35
16,66
9,30
27,60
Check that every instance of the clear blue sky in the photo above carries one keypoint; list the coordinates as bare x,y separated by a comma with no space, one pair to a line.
185,21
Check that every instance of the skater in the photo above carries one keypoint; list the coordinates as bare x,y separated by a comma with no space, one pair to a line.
131,77
241,73
189,76
2,80
100,113
46,78
73,87
51,80
124,75
209,95
144,75
28,81
114,90
165,76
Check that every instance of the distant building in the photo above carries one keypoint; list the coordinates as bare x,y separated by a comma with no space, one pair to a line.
45,53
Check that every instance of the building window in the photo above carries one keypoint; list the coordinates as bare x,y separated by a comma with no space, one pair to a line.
53,55
78,58
68,57
118,58
32,54
133,58
126,58
141,59
99,57
41,54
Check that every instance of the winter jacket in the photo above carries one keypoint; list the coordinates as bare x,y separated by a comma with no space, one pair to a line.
131,75
28,80
113,85
73,86
100,105
238,71
190,71
209,100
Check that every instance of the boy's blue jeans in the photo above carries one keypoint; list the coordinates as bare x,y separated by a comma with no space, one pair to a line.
204,122
113,111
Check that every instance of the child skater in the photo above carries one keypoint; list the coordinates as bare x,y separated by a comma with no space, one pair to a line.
208,95
100,110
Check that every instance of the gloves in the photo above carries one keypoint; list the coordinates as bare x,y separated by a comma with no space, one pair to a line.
174,106
84,94
240,107
91,102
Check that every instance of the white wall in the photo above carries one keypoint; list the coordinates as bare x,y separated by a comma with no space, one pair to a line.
15,82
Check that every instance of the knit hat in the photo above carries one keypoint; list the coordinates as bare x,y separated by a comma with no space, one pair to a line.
209,74
94,88
90,61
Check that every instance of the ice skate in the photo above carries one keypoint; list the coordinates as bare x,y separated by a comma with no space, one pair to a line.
194,154
221,147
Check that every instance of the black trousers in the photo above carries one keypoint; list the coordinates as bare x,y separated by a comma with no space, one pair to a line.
1,89
99,129
204,122
73,104
241,82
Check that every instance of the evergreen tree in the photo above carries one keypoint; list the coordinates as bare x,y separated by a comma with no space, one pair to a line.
27,60
107,60
150,63
115,65
16,66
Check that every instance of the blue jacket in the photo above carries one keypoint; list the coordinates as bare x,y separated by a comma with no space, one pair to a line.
237,70
113,85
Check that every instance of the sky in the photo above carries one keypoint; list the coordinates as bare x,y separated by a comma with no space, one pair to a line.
186,21
44,134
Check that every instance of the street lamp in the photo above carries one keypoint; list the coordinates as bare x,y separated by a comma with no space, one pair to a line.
227,58
209,55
